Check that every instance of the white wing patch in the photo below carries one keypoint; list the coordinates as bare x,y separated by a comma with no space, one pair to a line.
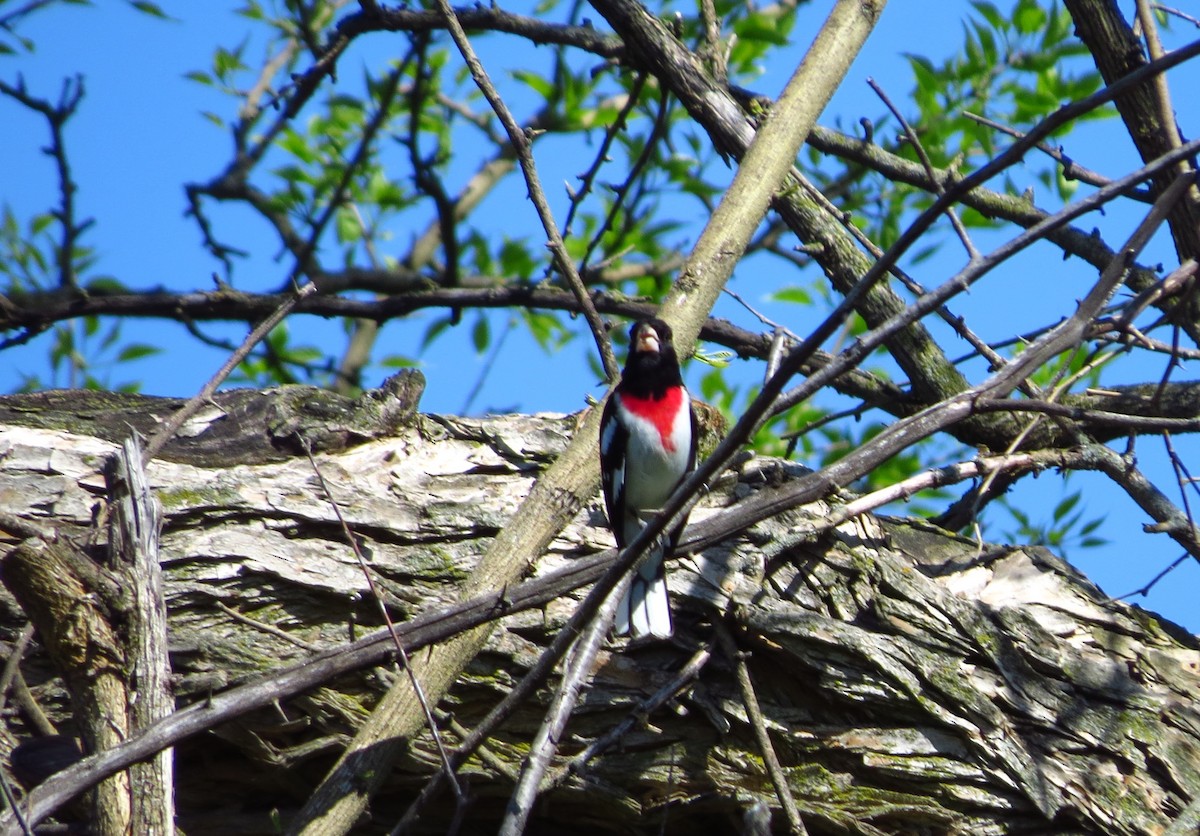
606,437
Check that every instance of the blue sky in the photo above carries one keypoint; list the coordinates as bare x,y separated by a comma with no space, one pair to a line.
140,136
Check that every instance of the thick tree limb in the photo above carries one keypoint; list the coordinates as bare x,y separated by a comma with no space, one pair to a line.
1118,53
906,677
573,479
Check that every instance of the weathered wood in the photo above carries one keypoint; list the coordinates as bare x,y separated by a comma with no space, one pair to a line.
911,681
135,522
240,426
55,585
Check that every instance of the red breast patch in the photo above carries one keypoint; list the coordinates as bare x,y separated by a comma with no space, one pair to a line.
661,412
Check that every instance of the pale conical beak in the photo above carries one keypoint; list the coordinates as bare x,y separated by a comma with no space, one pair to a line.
647,340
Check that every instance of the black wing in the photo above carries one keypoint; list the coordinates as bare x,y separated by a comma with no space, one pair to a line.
673,537
612,468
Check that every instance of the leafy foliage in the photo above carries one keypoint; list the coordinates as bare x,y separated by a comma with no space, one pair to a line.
1068,527
380,177
388,178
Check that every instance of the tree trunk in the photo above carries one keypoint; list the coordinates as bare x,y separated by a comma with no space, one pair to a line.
910,680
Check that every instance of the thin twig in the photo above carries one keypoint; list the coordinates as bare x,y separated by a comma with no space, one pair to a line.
521,144
1144,590
270,629
1183,478
12,665
352,541
424,176
10,801
915,142
1009,464
588,178
635,171
171,426
758,725
690,671
484,752
28,705
1071,170
1174,283
1093,417
759,315
57,116
1179,14
1162,93
577,667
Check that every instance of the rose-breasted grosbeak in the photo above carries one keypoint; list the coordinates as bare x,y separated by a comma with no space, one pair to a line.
647,445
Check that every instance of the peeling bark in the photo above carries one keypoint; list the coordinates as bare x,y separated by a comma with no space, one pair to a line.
910,681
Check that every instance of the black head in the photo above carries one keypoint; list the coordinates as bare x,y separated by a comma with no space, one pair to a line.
652,365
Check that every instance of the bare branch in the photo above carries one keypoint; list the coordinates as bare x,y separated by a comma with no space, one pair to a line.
401,653
1071,170
758,724
915,142
521,144
577,666
57,116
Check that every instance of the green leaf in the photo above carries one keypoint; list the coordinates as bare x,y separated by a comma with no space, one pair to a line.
515,259
348,228
105,284
761,27
136,351
252,11
435,330
481,334
399,361
152,9
40,223
1066,506
297,145
991,14
923,69
226,62
716,359
1029,17
543,87
793,294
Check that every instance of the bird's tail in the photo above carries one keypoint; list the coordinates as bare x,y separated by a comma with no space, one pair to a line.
646,609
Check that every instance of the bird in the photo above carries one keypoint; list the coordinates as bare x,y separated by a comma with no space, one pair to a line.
648,435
